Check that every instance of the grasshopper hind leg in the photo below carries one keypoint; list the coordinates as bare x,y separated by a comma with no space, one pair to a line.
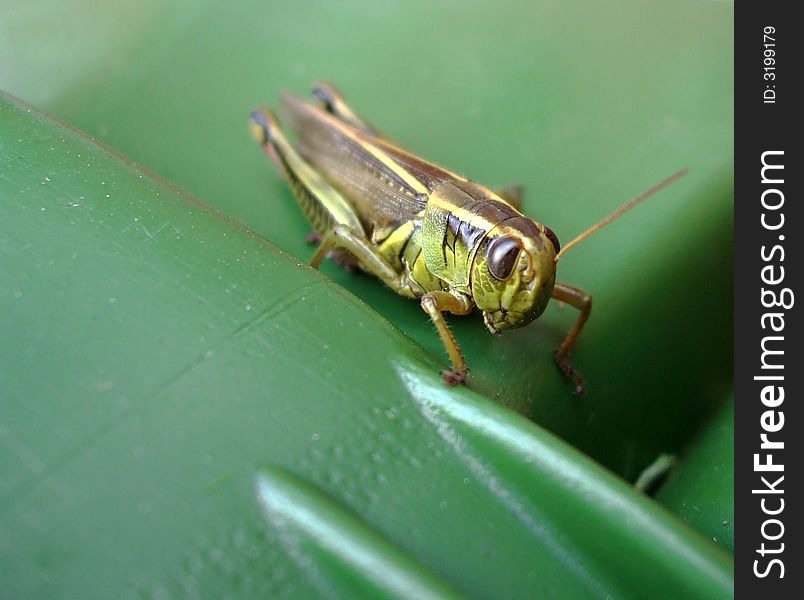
324,207
332,101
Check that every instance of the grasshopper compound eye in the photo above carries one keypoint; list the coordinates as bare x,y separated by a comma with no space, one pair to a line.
502,255
553,239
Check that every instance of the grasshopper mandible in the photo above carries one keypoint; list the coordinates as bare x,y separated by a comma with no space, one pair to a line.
426,232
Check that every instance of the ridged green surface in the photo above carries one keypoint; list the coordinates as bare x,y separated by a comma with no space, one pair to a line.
155,358
340,554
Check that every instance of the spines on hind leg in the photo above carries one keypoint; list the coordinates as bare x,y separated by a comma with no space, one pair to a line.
322,204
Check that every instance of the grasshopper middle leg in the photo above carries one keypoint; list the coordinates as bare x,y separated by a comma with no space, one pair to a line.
343,237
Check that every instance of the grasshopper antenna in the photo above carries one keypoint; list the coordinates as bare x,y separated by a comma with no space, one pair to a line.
622,210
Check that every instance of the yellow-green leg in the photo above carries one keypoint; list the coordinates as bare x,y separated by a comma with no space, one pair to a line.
582,301
436,303
322,204
342,237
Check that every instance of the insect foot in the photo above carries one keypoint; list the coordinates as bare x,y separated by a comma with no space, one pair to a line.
453,378
569,371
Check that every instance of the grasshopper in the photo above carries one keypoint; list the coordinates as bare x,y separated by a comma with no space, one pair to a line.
426,232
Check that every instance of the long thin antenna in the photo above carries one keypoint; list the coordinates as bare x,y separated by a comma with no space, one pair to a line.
622,210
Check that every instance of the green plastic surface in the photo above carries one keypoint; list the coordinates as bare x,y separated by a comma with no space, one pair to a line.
159,364
707,467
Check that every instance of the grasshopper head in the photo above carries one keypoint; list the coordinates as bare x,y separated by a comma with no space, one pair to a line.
514,273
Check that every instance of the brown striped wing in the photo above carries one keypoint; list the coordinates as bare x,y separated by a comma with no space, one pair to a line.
386,184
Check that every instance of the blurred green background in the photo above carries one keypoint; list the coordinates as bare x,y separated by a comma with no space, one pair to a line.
160,365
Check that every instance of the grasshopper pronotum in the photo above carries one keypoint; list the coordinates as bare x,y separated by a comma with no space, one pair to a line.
426,232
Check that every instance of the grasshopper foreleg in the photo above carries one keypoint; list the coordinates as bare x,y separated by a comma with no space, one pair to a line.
582,301
434,304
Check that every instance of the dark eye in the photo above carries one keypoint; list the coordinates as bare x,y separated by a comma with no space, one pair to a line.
553,238
501,255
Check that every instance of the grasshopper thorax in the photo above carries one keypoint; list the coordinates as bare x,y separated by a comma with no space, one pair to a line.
514,272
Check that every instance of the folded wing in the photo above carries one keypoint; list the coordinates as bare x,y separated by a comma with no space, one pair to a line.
385,184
